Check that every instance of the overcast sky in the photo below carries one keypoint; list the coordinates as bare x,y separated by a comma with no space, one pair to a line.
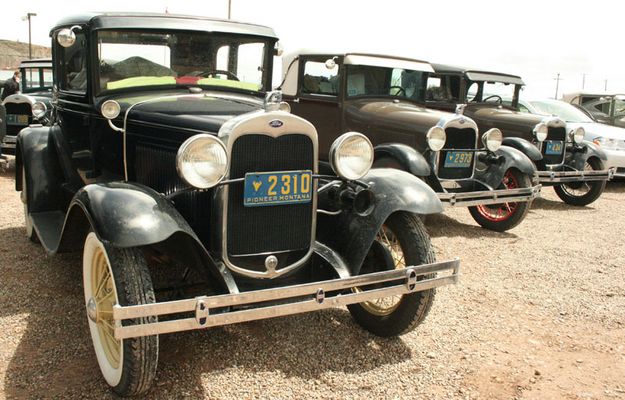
535,39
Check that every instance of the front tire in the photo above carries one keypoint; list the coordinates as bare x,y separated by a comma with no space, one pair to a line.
119,276
504,216
402,241
582,193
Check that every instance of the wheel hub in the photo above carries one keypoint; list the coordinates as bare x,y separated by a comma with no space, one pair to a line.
92,310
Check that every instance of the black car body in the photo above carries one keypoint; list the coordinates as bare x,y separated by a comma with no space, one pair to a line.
574,168
383,96
35,87
195,196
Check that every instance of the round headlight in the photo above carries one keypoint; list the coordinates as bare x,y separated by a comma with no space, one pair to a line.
351,155
436,138
202,161
577,135
110,109
492,139
38,109
540,132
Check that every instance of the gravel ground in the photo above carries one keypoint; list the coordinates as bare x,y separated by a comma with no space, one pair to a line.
539,314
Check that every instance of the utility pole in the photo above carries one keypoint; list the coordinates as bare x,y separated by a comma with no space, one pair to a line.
229,8
583,81
606,85
30,44
557,84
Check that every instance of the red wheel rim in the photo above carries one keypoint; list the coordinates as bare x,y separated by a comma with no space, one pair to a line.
503,211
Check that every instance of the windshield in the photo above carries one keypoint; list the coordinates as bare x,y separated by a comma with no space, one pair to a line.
563,110
363,80
494,92
135,58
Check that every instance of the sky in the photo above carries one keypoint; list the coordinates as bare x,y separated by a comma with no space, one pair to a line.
532,38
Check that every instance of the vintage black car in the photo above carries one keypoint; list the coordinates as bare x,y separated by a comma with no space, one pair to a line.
198,199
30,106
382,97
563,159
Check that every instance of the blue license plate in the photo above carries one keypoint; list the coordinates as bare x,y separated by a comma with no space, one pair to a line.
554,147
277,188
16,119
458,159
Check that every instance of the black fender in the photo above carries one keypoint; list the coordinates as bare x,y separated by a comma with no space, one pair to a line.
37,153
3,122
524,146
507,157
408,158
351,234
581,154
126,215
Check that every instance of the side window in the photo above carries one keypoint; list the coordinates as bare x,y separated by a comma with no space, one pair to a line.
248,71
435,90
47,77
320,80
30,76
74,65
473,91
222,58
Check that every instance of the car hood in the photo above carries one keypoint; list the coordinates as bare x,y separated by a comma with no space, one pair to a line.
204,112
595,130
502,118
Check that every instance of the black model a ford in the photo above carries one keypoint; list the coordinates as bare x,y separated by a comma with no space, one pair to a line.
563,158
382,97
198,199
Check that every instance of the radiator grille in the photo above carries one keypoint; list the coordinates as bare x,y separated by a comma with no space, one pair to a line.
555,134
18,109
278,228
461,139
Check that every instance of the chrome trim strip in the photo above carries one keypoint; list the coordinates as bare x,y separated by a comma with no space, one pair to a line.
574,176
257,123
318,295
468,199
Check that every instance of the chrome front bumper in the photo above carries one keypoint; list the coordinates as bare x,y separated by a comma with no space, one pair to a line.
574,176
293,300
468,199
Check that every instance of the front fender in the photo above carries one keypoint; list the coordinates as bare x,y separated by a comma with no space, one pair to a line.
588,150
351,235
408,158
510,158
525,147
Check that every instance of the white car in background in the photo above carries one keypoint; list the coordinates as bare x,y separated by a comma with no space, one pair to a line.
610,138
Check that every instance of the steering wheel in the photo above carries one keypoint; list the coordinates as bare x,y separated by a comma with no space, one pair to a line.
400,90
229,74
494,96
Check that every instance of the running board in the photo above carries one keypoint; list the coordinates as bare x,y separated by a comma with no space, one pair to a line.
574,176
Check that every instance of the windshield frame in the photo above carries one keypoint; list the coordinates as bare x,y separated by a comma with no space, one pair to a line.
267,62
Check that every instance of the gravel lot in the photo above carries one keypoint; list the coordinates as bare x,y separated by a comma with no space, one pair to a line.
539,314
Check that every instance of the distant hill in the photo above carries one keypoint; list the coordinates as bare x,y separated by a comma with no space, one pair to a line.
12,53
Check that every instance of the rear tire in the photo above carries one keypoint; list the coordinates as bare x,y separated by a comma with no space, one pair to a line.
119,276
504,216
582,193
402,241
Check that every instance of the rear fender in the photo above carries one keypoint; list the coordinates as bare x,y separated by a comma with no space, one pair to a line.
510,158
408,158
351,235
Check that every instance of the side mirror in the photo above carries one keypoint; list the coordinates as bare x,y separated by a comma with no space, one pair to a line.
66,36
331,63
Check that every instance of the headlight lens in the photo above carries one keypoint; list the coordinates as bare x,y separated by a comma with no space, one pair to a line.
577,135
110,109
436,138
202,161
351,155
540,132
38,109
492,139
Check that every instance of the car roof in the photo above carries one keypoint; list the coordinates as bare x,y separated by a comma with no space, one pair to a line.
129,20
478,75
288,58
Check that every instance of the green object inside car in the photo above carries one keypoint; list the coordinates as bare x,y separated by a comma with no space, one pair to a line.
141,81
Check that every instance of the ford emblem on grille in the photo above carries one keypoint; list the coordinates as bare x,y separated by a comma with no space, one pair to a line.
276,123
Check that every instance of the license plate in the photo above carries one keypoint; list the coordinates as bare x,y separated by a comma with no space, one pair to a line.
458,159
277,188
553,147
17,119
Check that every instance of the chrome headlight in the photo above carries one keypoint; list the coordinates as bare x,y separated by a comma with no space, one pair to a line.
351,155
577,135
540,131
38,109
202,161
436,138
492,139
110,109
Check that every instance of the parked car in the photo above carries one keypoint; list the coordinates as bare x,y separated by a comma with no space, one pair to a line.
31,106
197,199
611,139
382,97
605,108
563,159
